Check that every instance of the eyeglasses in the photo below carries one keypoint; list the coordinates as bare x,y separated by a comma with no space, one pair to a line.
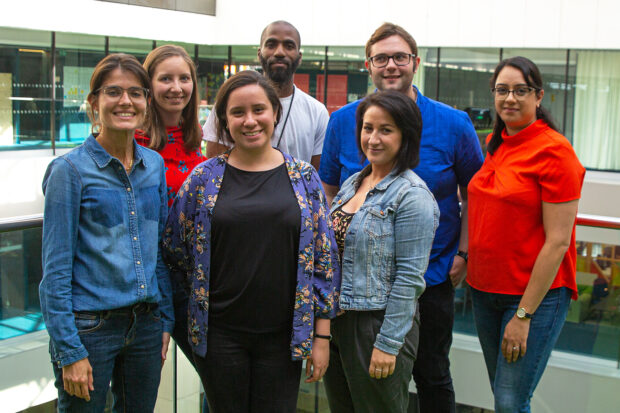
400,59
136,94
519,92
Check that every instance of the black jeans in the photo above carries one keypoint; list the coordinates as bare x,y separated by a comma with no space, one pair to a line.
348,384
248,372
431,371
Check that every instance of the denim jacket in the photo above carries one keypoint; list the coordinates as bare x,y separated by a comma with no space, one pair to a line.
187,251
101,241
386,251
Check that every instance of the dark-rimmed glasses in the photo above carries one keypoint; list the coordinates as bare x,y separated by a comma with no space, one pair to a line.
136,94
399,59
519,93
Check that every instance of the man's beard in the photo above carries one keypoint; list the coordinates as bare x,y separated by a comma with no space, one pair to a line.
279,76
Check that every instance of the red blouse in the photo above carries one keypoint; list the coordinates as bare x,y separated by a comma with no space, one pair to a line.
506,230
179,163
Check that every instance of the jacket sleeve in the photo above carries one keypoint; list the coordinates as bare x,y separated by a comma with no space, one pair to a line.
62,188
326,280
415,221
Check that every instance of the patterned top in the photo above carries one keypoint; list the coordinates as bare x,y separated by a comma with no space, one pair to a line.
179,163
187,251
341,221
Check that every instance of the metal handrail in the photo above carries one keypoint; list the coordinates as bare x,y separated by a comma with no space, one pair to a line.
21,222
598,221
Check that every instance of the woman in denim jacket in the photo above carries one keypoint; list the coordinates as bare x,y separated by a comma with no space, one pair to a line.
384,220
105,293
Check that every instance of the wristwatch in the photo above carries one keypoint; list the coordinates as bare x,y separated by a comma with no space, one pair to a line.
522,314
463,255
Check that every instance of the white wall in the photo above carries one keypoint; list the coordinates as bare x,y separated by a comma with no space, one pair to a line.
590,24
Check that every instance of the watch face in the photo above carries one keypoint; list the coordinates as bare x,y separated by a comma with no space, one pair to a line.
521,313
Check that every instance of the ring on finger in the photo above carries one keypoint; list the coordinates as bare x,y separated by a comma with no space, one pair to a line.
515,348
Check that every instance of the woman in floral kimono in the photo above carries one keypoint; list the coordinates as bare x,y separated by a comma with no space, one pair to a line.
249,237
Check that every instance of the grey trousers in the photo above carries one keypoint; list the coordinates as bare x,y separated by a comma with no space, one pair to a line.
348,385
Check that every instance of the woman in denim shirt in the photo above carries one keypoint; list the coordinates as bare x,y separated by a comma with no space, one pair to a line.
249,238
384,220
105,293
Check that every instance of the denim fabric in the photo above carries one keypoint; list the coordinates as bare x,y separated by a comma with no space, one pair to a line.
513,384
101,240
187,250
249,372
450,155
124,347
386,252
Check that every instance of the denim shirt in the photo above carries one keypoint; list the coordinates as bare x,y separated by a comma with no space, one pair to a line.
101,240
187,251
386,251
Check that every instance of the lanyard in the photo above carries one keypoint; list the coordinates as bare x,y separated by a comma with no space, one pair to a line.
286,119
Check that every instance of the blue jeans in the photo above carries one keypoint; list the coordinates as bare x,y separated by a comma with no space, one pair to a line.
513,384
124,347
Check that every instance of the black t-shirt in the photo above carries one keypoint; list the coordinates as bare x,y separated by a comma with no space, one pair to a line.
255,241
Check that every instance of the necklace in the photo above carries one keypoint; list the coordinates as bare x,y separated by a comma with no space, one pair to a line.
128,169
286,119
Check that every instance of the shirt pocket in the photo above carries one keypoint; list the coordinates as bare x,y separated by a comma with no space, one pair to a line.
87,322
379,231
149,202
103,206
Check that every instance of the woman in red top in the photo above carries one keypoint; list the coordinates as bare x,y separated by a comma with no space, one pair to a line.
171,126
522,210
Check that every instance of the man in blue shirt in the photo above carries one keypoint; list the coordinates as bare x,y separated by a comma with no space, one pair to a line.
450,155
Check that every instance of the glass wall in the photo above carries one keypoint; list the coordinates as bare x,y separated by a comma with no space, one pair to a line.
582,87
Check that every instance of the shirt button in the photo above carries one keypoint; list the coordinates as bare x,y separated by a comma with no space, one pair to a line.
135,238
133,213
142,286
128,189
138,262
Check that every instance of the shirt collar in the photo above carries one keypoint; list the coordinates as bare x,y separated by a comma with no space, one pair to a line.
102,158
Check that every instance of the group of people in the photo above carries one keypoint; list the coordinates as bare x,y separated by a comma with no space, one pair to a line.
335,240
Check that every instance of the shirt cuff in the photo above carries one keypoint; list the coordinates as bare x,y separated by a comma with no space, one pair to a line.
388,345
69,357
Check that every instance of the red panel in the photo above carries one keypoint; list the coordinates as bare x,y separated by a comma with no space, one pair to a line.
302,81
336,91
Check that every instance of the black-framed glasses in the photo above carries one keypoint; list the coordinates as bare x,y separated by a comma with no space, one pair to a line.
400,59
136,94
520,92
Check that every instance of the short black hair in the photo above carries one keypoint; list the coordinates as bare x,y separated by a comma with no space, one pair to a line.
282,22
408,119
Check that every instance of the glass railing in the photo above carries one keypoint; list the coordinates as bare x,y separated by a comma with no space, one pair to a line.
20,274
592,326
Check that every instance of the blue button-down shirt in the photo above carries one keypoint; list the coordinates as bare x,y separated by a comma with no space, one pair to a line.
101,240
450,155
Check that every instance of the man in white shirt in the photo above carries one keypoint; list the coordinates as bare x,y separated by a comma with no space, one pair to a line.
302,126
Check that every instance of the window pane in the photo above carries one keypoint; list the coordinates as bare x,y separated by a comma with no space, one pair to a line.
25,88
76,57
596,128
212,64
347,79
464,83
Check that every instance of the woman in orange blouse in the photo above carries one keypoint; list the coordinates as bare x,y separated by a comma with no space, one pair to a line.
522,210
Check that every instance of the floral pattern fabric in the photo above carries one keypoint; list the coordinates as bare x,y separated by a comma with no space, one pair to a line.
341,221
178,161
187,251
